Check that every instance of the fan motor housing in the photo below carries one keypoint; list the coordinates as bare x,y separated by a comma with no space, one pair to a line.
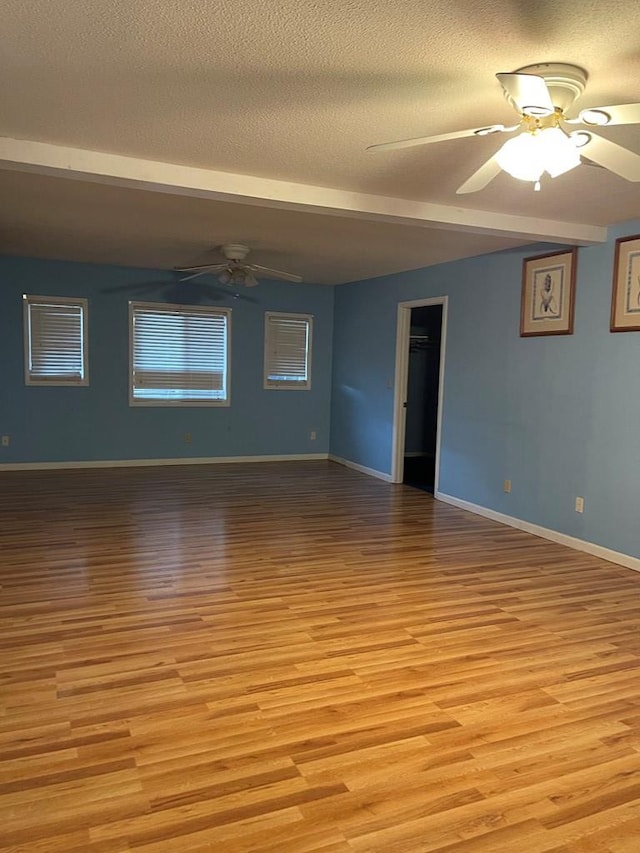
564,82
235,251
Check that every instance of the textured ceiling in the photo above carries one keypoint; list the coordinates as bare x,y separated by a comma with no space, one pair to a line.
294,90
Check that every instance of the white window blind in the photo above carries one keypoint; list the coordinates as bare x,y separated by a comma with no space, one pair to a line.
287,350
55,340
179,354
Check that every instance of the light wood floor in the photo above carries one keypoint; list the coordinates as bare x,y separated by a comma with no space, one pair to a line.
296,657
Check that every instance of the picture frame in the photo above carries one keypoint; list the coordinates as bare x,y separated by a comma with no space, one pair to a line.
625,297
548,294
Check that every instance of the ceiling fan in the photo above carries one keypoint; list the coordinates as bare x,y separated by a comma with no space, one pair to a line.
542,94
234,271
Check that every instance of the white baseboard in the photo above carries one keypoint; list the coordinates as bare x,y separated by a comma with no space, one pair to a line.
545,532
138,463
361,468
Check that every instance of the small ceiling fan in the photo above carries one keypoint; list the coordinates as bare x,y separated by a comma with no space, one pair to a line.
542,94
234,271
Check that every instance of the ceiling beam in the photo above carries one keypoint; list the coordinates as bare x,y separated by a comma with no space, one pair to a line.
98,167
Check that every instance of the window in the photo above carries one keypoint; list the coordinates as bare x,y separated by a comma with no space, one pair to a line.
55,340
179,355
287,350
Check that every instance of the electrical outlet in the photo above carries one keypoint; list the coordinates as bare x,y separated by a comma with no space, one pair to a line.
5,440
579,504
507,486
312,435
187,438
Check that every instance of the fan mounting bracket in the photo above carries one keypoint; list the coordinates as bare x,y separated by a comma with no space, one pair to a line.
564,82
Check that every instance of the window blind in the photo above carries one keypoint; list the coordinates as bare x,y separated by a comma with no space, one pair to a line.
55,335
179,353
287,350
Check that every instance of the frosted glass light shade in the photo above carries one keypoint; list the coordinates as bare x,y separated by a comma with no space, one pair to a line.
528,155
560,153
241,276
522,157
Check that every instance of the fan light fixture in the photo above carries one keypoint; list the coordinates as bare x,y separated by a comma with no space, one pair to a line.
529,154
241,276
543,96
234,270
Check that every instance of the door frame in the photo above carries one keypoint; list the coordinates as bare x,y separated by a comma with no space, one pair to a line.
403,330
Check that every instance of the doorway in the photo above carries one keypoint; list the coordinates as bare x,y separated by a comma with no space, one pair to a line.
418,399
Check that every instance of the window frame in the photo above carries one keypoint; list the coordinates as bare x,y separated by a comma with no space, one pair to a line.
287,385
29,299
170,307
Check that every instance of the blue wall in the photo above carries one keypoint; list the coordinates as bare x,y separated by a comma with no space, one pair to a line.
97,423
558,416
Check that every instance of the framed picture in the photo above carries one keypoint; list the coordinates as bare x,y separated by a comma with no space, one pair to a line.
548,294
625,302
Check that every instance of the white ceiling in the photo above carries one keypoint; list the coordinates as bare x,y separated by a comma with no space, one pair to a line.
292,91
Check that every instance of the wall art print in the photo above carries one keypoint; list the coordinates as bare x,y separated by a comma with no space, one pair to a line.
548,294
625,301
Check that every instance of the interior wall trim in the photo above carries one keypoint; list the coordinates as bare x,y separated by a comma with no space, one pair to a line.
380,475
621,559
137,463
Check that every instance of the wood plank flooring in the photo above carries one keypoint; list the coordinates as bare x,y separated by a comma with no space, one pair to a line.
293,657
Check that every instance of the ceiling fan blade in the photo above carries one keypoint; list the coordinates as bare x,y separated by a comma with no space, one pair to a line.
442,137
607,116
528,92
286,276
480,178
193,275
612,156
203,267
